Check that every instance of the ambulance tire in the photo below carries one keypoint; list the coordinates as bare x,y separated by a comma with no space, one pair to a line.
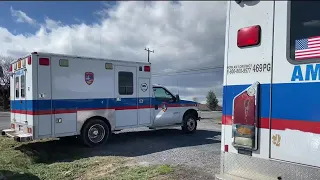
95,127
189,124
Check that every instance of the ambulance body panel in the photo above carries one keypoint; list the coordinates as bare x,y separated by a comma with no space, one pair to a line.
54,95
279,76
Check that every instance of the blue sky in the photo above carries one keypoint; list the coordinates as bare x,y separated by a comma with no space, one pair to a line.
71,12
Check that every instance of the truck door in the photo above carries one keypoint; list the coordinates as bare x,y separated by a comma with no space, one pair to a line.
164,107
126,102
144,103
248,60
295,124
20,104
44,103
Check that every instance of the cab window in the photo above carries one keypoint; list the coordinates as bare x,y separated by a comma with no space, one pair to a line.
162,95
304,30
16,86
23,85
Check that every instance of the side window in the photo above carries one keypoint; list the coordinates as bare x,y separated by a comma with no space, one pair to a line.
125,83
23,85
162,95
16,86
304,31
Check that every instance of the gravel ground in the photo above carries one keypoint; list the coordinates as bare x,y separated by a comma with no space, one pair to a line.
198,154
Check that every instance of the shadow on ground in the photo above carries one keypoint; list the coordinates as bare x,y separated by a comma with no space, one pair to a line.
9,175
126,144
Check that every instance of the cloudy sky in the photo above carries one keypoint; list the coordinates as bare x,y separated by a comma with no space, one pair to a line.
187,37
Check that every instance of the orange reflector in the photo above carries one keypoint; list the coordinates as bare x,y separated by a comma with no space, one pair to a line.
30,130
19,64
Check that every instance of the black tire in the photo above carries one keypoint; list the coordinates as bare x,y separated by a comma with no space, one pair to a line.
186,128
95,126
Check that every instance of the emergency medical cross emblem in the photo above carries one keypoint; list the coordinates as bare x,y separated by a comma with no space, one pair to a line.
89,77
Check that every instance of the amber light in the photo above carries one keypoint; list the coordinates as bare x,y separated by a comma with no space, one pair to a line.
30,130
249,36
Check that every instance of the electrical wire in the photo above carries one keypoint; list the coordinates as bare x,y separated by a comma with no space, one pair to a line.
187,71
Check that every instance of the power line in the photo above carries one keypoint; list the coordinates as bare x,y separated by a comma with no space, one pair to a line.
187,70
185,73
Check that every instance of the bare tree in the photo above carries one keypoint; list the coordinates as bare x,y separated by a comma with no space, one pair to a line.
5,81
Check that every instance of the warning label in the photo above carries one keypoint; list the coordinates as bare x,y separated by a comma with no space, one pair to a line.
249,68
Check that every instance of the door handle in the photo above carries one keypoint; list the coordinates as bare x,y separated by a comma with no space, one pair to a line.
156,106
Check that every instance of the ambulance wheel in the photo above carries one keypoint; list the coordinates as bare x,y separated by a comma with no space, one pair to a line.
95,132
189,124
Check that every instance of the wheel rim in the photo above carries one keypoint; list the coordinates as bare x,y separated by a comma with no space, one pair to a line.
96,133
191,124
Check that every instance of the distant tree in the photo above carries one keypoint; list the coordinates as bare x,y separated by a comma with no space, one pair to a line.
5,81
212,100
195,99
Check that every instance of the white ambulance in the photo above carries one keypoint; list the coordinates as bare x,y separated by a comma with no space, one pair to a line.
54,95
271,96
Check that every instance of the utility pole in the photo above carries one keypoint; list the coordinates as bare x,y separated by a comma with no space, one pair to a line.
149,53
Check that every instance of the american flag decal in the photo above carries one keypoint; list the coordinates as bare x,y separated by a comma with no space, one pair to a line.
308,48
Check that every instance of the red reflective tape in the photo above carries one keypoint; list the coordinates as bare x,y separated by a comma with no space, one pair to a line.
263,123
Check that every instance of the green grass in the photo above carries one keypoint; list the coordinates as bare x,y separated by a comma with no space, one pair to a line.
54,160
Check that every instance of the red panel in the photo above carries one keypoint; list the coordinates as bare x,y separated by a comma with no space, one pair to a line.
249,36
44,61
29,60
147,68
244,109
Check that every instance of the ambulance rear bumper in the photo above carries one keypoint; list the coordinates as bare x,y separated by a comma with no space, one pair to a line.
17,135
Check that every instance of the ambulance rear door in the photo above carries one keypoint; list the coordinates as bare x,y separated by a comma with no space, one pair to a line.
295,134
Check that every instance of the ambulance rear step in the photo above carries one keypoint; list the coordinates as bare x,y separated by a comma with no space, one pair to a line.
17,135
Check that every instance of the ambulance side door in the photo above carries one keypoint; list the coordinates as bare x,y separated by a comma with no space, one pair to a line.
126,102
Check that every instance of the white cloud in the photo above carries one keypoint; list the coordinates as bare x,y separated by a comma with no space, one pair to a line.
21,17
184,35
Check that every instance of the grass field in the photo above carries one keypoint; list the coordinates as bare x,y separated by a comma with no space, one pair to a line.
57,160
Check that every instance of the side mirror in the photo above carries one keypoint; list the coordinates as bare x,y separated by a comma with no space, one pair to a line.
177,98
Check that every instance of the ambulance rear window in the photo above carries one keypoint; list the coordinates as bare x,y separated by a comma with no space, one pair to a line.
23,85
304,31
125,83
16,86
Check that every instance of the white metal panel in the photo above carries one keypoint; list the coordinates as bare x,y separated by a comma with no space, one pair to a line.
249,13
44,94
241,16
69,82
126,117
65,124
144,110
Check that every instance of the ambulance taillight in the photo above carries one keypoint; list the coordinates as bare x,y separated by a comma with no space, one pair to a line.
44,61
147,68
10,70
249,36
29,60
245,118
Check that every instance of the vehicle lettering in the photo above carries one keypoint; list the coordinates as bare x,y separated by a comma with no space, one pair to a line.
312,72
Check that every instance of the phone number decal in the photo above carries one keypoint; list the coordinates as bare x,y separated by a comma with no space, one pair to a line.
249,68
